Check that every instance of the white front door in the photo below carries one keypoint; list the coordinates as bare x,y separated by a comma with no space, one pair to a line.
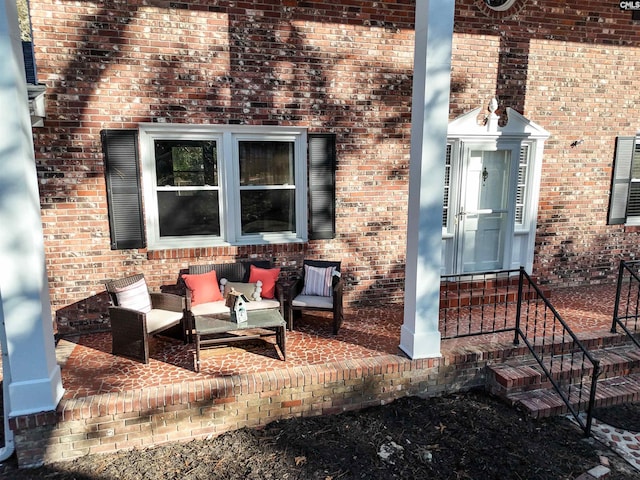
483,219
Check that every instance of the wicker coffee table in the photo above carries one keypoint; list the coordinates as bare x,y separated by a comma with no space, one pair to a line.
217,329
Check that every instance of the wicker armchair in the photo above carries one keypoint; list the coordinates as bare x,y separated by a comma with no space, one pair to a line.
136,314
331,300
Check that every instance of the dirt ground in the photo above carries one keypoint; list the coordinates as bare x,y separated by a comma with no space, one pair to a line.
463,436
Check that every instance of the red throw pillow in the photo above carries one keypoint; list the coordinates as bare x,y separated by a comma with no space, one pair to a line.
204,287
268,277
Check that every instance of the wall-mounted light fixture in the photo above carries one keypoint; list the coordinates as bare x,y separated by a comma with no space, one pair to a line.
575,143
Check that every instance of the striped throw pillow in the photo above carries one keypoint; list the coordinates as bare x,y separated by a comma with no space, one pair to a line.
318,281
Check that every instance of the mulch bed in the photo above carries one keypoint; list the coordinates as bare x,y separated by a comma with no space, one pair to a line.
462,436
625,417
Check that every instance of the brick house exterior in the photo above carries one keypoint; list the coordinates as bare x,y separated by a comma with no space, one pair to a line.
309,70
333,69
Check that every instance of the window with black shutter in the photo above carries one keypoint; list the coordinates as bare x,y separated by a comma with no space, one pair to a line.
624,204
209,186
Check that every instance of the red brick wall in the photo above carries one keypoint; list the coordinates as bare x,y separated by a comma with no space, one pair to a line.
569,66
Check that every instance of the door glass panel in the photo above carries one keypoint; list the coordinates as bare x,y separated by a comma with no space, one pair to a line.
486,210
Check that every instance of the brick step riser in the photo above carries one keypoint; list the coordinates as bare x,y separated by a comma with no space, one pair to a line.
500,383
521,381
487,285
481,284
612,391
466,298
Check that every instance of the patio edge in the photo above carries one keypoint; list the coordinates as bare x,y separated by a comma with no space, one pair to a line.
200,409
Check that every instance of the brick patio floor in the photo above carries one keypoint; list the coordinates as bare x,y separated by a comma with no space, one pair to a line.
89,368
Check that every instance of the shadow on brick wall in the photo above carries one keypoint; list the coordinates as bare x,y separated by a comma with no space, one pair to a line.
88,315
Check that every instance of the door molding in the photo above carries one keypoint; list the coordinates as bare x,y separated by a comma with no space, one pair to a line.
478,130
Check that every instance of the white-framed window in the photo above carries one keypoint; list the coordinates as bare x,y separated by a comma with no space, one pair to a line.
624,204
207,185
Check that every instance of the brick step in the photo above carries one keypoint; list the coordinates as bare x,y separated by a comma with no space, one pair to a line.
610,391
465,294
526,375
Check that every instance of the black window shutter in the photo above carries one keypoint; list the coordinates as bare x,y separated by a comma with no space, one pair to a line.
621,180
29,62
122,172
322,186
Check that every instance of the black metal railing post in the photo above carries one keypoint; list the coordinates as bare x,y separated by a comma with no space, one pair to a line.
618,293
633,282
516,333
592,396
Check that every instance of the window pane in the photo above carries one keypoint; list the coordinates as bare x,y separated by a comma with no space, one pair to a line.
185,163
266,163
188,213
635,165
268,211
633,206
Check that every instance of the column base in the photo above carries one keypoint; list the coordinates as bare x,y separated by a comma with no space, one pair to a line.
35,396
420,345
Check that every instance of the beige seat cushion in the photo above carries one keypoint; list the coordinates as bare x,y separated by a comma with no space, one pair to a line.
158,320
313,301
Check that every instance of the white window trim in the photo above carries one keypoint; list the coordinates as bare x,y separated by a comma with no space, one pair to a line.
227,137
632,220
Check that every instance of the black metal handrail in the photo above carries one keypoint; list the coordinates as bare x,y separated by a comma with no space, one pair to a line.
505,301
626,312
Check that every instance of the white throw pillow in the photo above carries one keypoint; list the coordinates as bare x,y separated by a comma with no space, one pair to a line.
135,296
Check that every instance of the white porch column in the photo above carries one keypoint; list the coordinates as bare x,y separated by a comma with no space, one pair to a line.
420,337
35,383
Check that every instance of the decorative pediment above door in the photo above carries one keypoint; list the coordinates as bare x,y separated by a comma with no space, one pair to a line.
479,123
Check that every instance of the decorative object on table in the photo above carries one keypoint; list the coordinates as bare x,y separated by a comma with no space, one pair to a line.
237,306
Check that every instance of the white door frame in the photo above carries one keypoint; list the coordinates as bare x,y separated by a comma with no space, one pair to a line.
525,140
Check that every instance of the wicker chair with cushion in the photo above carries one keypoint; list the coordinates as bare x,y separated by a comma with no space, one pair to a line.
136,314
319,288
